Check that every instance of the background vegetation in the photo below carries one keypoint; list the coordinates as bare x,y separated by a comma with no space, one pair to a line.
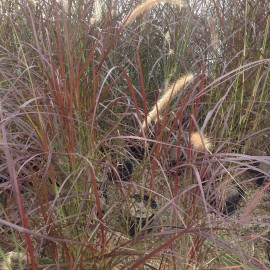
75,86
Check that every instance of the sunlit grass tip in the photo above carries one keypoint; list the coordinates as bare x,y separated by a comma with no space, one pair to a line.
167,97
200,141
148,4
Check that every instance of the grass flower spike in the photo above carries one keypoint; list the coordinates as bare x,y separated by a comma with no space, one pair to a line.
147,5
167,96
200,141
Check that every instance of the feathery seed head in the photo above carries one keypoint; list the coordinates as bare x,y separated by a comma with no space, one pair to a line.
92,20
200,141
167,96
147,5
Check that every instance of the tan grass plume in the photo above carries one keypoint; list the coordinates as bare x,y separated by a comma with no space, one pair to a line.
200,141
147,5
167,97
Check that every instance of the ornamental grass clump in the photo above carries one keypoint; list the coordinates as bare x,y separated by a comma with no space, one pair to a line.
94,92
